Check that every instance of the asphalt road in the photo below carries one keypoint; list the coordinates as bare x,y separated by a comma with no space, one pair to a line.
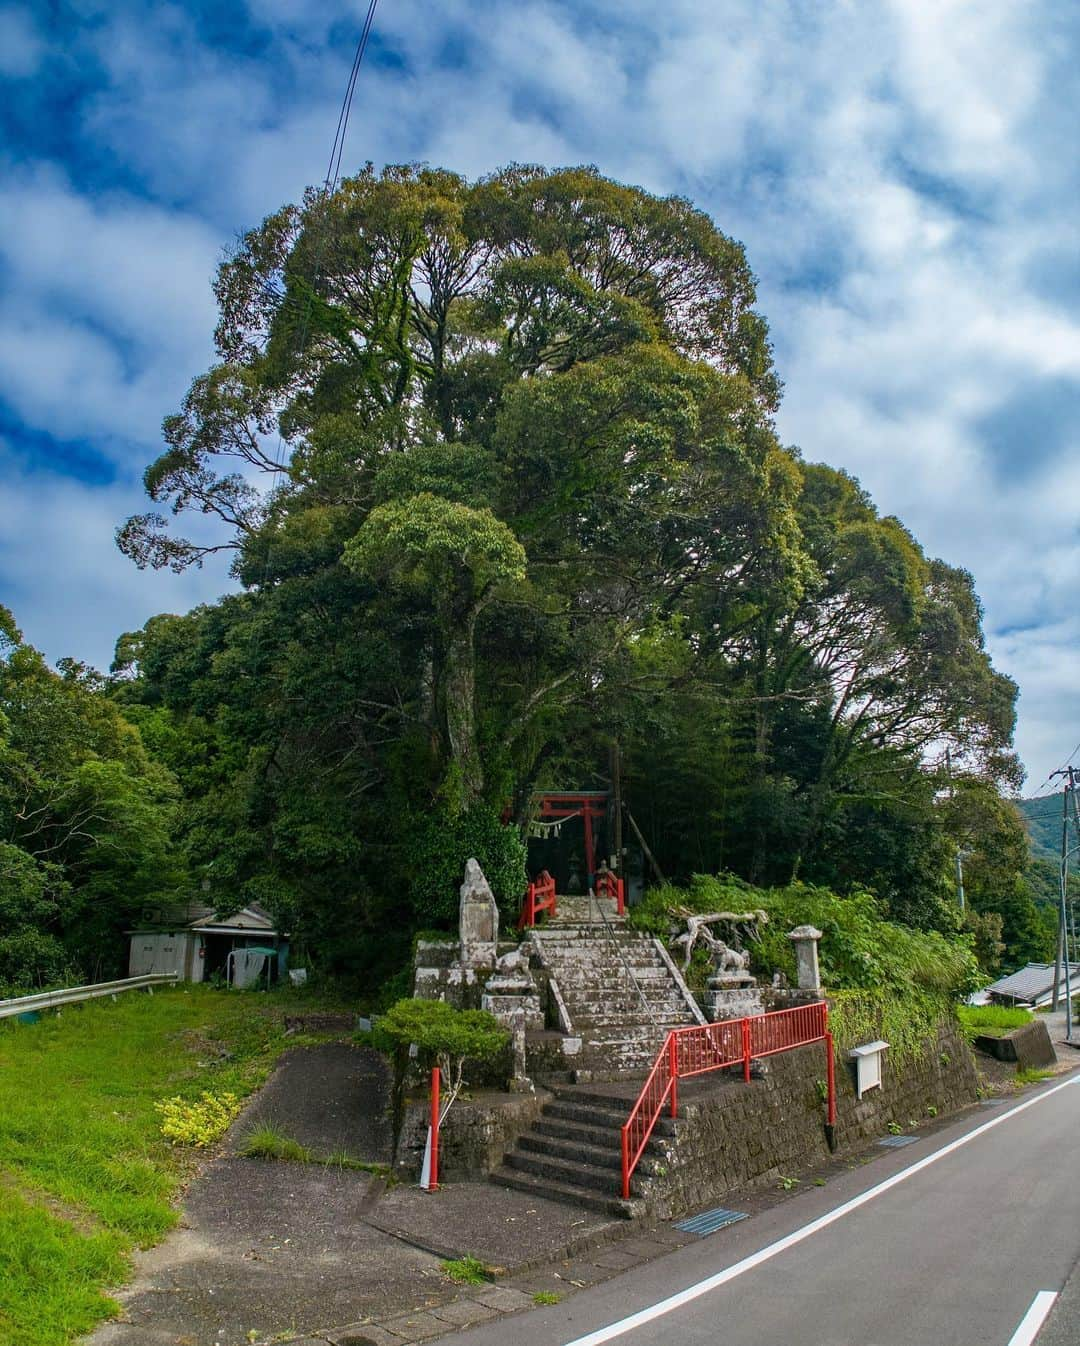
946,1242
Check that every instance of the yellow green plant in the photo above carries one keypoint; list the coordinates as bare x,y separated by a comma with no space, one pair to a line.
198,1121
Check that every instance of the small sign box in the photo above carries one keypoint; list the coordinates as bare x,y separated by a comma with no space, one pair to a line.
867,1058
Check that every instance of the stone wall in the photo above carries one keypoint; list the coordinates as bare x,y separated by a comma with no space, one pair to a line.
474,1137
730,1134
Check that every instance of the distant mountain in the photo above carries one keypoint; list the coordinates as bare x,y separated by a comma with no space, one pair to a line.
1042,818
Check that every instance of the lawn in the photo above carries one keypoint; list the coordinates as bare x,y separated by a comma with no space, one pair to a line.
85,1174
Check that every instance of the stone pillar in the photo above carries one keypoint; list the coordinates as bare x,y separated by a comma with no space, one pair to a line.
478,919
805,938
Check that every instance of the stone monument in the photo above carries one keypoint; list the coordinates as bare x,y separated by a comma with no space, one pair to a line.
732,991
805,938
478,919
511,991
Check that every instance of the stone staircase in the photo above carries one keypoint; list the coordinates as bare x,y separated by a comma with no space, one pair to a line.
620,990
573,1153
621,995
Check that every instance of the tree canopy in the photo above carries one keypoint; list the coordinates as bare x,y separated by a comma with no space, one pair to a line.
497,466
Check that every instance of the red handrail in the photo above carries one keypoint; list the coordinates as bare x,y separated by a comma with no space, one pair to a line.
703,1047
610,885
539,897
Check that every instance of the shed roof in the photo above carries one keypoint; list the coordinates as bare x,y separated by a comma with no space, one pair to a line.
1033,984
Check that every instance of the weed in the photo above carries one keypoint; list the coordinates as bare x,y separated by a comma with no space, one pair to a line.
895,1128
466,1270
822,1090
786,1184
931,1111
1032,1076
267,1143
819,1182
546,1297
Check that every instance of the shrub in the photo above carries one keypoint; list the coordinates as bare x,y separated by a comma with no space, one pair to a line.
198,1121
859,949
442,842
991,1020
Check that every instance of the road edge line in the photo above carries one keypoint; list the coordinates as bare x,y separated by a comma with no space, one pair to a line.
1033,1320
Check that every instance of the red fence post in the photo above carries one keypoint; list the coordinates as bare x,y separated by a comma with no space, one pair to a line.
626,1163
746,1050
673,1067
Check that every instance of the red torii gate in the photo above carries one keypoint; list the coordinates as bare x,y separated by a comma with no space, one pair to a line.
591,804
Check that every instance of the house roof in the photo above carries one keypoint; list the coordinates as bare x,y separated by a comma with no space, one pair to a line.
197,916
1033,984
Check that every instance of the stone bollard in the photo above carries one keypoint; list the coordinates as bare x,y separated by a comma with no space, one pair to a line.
805,938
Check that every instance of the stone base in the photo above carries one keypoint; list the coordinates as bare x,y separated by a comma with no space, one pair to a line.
732,998
504,1005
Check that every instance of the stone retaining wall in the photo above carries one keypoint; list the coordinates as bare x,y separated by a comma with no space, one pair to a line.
476,1134
731,1134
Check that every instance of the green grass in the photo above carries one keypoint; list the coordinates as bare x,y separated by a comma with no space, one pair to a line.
1031,1075
546,1297
85,1173
466,1270
992,1021
267,1142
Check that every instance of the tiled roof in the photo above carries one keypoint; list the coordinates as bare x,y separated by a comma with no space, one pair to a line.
1033,982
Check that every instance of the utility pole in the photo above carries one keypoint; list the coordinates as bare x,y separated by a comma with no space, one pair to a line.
959,849
1063,953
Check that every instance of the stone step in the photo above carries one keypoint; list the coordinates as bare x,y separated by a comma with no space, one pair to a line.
568,1172
595,1156
578,1133
589,1199
587,1115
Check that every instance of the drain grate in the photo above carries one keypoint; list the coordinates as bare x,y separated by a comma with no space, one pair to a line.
709,1221
991,1102
895,1142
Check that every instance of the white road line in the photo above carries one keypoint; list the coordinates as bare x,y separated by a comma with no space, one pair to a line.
1034,1318
692,1292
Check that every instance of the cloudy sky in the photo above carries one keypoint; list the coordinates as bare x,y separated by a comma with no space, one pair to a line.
903,173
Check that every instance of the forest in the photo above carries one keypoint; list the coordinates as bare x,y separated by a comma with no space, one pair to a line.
497,467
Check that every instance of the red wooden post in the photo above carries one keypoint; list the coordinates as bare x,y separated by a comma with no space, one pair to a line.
625,1163
746,1050
434,1128
673,1067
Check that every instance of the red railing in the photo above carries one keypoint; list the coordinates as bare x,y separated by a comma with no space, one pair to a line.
610,885
539,897
694,1050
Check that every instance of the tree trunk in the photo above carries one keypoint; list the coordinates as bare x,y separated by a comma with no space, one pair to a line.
459,706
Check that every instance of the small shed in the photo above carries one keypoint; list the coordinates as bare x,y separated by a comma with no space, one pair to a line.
196,942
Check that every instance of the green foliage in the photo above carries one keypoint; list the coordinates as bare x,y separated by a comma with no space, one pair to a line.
441,844
907,1022
859,949
85,820
466,1270
546,1297
439,1031
197,1122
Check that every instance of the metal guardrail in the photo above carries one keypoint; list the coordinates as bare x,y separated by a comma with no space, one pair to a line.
73,995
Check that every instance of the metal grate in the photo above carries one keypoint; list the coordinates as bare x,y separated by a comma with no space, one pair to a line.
895,1142
709,1221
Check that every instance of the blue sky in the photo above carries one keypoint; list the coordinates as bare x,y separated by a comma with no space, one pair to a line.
903,175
